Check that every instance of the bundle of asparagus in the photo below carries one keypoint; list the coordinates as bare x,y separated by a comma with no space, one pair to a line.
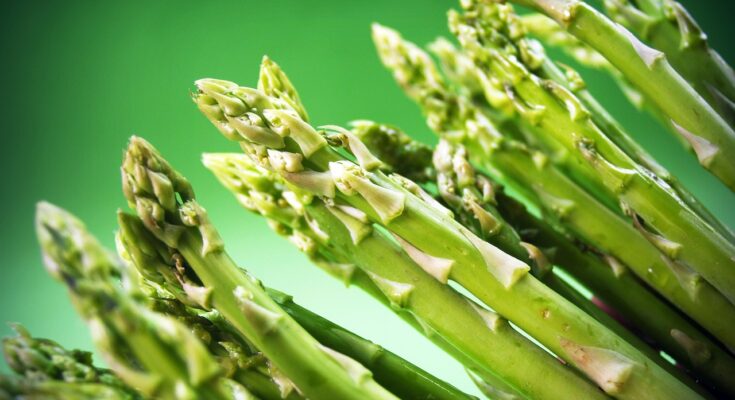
537,244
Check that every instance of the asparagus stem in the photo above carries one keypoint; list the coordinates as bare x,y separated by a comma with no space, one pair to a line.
497,279
152,353
405,379
440,312
389,370
667,26
615,287
622,291
459,186
711,138
670,225
240,360
165,203
250,183
545,28
456,119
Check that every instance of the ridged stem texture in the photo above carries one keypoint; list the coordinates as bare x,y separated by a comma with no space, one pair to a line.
165,203
674,228
529,172
709,135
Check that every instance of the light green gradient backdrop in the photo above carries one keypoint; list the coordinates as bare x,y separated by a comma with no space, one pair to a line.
80,77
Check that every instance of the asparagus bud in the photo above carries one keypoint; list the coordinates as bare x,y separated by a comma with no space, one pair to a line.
45,369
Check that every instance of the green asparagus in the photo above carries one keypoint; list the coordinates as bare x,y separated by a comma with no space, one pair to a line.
532,176
46,370
478,333
305,158
152,353
710,137
537,243
661,216
666,25
166,205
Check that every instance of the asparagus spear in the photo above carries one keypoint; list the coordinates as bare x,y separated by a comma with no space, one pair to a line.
544,27
394,373
609,281
47,370
456,119
478,333
405,379
152,353
711,138
667,26
497,279
144,259
253,188
658,212
165,202
471,198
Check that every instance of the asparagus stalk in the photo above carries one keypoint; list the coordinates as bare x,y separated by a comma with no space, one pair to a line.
165,202
253,188
614,286
611,282
497,279
711,138
471,198
394,373
152,353
477,213
456,119
667,26
658,212
47,370
405,379
478,333
544,27
240,360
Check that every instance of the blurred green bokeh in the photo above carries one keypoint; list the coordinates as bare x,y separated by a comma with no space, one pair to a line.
82,76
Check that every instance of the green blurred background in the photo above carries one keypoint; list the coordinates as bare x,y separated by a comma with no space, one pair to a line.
80,77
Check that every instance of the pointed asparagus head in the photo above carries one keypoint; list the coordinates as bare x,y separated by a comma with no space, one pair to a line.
273,82
418,76
412,67
44,359
69,251
255,119
163,198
